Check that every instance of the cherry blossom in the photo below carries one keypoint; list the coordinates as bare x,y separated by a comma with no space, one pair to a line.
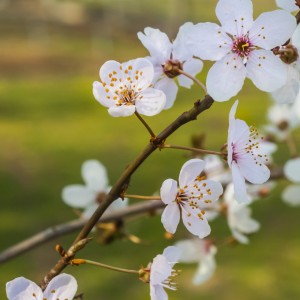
127,87
291,195
160,273
242,48
289,5
61,287
245,156
289,54
283,119
167,57
89,196
194,195
239,217
202,252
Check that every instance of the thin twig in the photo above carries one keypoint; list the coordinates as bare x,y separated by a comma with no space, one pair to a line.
53,232
192,149
145,124
194,79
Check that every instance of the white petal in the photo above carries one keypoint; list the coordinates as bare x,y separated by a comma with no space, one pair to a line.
192,250
239,184
107,68
266,70
289,91
170,89
170,217
241,238
183,44
295,40
216,189
211,41
118,204
192,66
172,254
218,85
122,111
103,95
288,5
205,270
193,223
160,270
63,286
21,288
78,196
152,103
156,42
291,195
94,175
254,172
272,29
157,292
236,16
168,191
145,69
189,171
292,169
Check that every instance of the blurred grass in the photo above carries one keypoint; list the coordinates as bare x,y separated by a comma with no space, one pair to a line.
50,124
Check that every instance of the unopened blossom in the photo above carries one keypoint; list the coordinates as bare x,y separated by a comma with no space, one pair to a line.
92,193
169,57
191,199
242,48
202,252
160,273
283,119
289,5
245,156
289,54
126,88
239,217
61,287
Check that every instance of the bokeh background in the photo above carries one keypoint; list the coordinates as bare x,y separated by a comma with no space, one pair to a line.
50,53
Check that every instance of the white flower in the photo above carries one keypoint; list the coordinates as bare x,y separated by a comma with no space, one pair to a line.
242,48
126,88
166,55
239,217
61,287
89,196
289,54
162,273
202,252
245,158
289,5
283,118
191,199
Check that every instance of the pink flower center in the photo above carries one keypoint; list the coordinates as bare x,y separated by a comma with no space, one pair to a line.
242,46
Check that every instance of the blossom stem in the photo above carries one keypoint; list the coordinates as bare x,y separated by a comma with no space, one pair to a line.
145,124
142,197
292,145
85,261
192,149
194,79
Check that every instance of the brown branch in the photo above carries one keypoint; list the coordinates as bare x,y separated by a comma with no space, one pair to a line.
71,226
122,182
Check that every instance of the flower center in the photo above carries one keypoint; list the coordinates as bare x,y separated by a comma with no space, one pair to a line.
242,46
172,67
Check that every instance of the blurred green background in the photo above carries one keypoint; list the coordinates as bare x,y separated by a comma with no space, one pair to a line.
50,53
